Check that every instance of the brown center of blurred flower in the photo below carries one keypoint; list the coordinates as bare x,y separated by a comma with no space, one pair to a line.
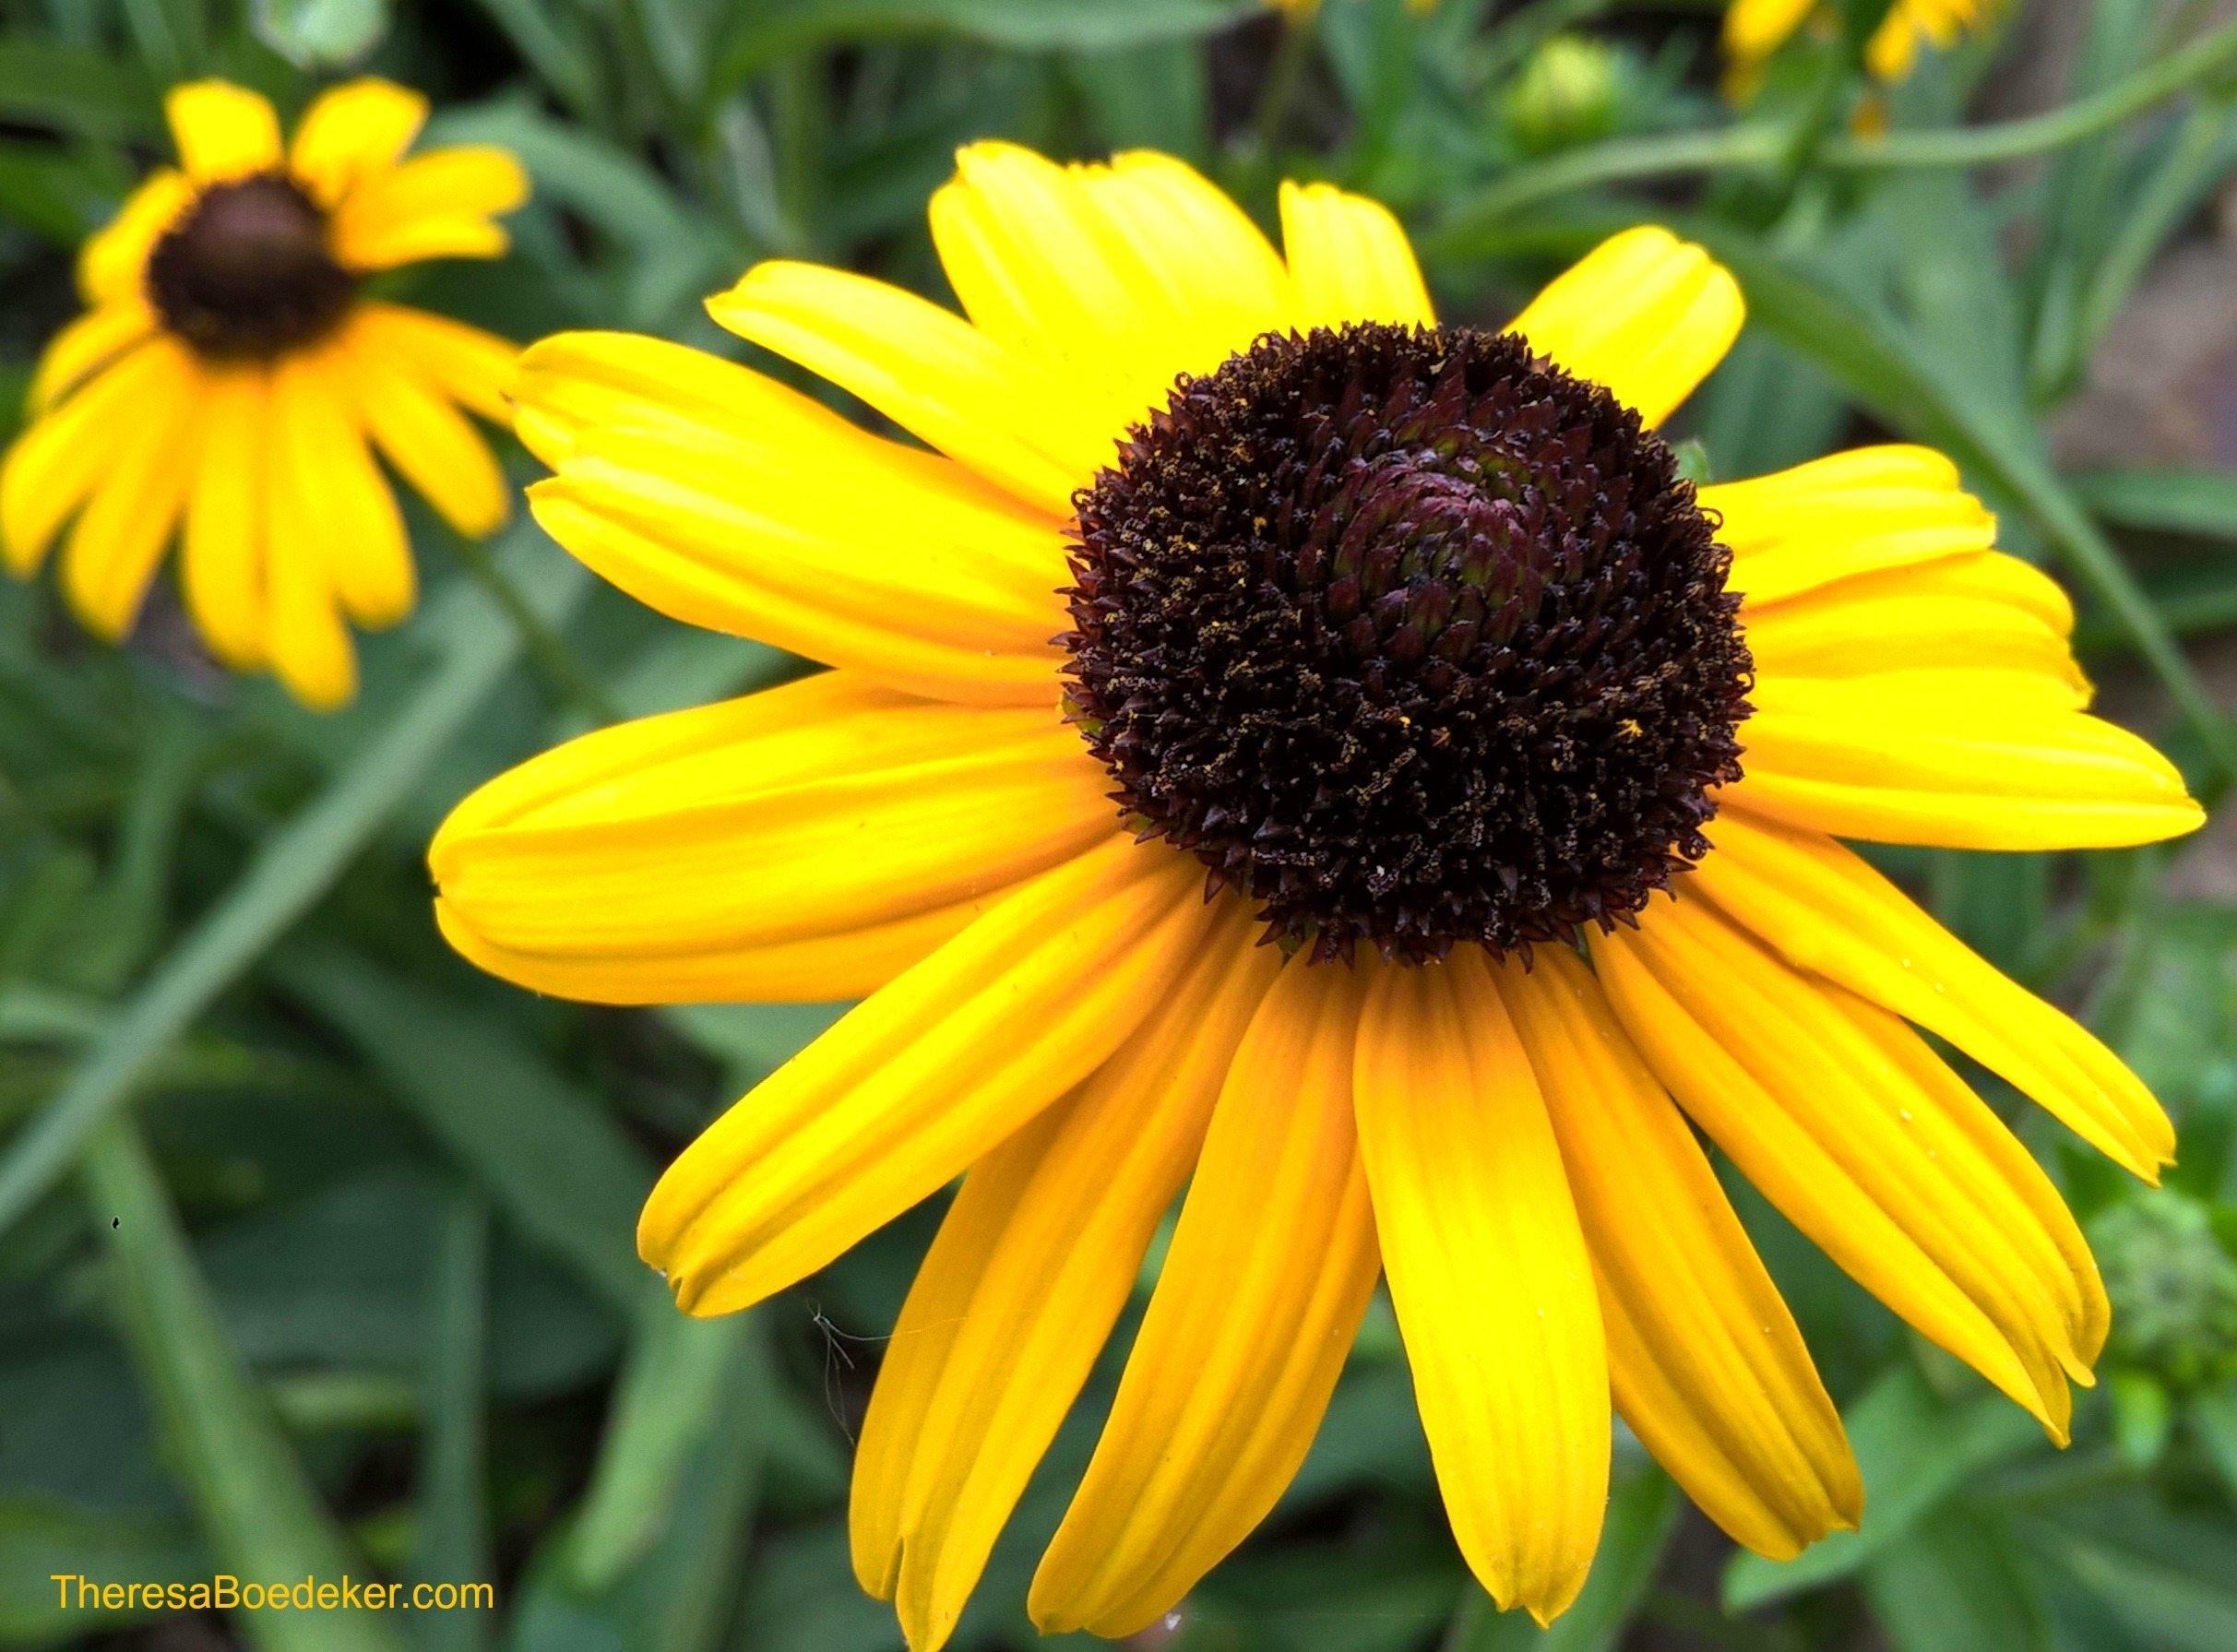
245,271
1411,636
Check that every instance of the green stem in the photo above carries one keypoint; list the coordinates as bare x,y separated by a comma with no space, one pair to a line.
1631,159
1284,75
566,675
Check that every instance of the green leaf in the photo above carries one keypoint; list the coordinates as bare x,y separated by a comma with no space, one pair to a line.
2203,502
264,1520
473,648
314,35
550,1157
2170,1579
761,34
41,1539
77,89
1954,1583
1915,1451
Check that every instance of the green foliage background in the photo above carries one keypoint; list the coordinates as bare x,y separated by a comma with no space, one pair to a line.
315,1245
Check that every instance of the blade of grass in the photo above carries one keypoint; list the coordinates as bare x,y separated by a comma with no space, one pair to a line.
294,869
452,1545
265,1521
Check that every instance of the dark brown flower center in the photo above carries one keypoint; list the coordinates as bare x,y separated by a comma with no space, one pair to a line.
245,271
1413,637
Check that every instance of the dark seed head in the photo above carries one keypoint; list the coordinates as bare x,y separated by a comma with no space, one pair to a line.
247,272
1413,637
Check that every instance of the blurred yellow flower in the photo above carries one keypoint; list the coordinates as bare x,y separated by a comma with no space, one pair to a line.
1755,29
1410,639
229,372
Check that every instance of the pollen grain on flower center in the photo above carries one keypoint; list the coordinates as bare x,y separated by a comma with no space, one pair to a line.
1411,636
247,271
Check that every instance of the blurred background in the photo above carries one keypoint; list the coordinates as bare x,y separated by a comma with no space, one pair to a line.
315,1244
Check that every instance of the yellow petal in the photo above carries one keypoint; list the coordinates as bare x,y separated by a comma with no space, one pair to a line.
305,640
932,372
423,434
826,968
354,525
1270,1269
1707,1364
1645,315
470,366
436,205
760,823
55,463
352,132
1865,511
222,564
923,1077
1037,1257
113,265
1490,1278
147,462
823,539
1966,760
1968,576
1350,259
1120,277
1824,909
91,342
1888,628
223,131
1870,1145
1754,29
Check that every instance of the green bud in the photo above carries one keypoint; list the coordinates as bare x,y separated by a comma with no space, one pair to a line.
1566,94
2173,1287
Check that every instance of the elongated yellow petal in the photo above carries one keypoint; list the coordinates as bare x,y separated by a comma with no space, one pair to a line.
423,434
930,372
355,526
923,1077
1967,760
1824,909
1350,259
223,131
1707,1364
1270,1268
147,462
1754,29
1033,1266
1968,576
901,569
1856,1131
86,346
1645,315
113,265
1892,629
740,834
350,133
473,368
1858,512
305,640
54,464
438,205
1120,277
221,564
1490,1278
827,968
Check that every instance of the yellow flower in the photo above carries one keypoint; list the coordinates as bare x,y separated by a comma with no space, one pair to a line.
1415,641
229,370
1755,29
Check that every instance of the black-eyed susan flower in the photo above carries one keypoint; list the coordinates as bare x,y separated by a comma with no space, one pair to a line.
1403,647
1755,29
232,377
